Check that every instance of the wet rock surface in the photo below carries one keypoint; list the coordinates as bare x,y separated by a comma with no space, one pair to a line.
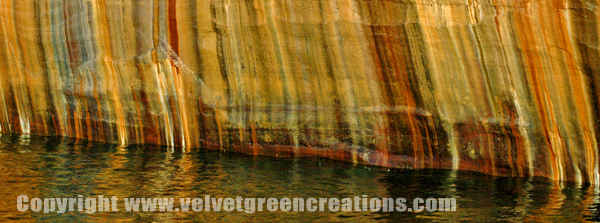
501,87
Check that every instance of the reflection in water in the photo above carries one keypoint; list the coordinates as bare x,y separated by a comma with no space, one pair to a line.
56,167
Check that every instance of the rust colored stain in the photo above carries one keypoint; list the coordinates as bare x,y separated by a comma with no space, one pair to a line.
173,33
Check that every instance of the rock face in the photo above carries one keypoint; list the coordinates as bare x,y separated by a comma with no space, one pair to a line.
504,87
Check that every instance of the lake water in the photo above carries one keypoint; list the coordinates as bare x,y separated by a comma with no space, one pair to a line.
57,167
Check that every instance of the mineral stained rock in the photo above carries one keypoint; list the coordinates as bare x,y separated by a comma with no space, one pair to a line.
503,87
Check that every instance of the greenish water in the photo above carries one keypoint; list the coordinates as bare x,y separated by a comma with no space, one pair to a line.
56,167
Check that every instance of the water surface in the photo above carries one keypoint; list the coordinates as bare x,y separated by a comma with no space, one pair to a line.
59,167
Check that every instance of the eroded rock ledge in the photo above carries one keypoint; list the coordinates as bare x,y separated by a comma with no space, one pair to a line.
497,86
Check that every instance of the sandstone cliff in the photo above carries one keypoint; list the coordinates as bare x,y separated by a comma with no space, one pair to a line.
504,87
